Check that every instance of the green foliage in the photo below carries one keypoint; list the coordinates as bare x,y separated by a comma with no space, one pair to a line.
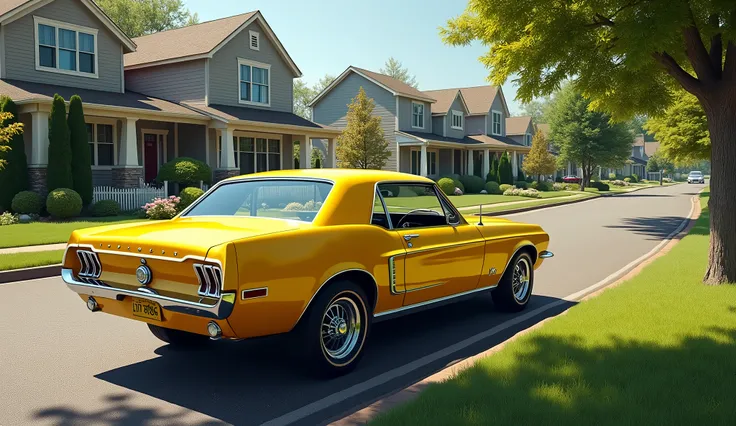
27,202
505,187
105,208
682,130
140,17
81,161
185,171
657,162
393,68
493,172
558,179
505,171
188,196
521,184
600,186
59,173
447,185
612,176
13,163
473,184
520,174
493,187
362,144
518,192
635,178
63,203
316,158
543,186
539,161
8,218
304,94
390,190
627,179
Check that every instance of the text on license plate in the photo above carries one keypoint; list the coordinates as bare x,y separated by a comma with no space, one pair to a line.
146,309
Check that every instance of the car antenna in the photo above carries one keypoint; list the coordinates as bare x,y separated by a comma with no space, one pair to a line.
480,219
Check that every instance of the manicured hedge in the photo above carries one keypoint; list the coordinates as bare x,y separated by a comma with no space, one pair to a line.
185,171
447,185
521,184
104,208
473,184
27,202
493,187
188,196
64,203
600,186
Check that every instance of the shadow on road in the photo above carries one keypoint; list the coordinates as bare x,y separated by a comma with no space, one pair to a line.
253,381
638,195
658,228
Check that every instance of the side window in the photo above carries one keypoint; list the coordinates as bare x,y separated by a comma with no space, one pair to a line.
413,205
379,216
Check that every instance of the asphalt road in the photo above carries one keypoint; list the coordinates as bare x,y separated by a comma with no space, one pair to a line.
61,364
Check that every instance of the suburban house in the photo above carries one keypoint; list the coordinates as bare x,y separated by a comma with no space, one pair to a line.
521,130
430,133
220,91
641,150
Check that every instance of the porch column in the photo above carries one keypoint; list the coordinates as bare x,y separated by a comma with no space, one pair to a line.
305,153
514,164
128,173
227,153
470,162
486,163
331,153
423,162
39,160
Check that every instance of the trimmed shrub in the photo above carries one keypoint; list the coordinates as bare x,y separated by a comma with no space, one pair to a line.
543,186
634,178
473,184
8,218
493,188
529,179
627,180
505,171
612,176
162,208
521,184
188,196
63,203
447,185
520,175
566,187
620,183
492,175
27,202
529,193
14,175
600,186
558,179
185,171
81,158
104,208
59,170
505,187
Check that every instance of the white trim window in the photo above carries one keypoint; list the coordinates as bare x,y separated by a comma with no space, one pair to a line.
254,83
416,155
457,120
102,143
417,115
254,40
255,153
65,48
528,139
496,123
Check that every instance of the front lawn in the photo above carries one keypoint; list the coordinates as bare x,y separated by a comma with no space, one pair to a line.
30,259
36,233
467,199
658,349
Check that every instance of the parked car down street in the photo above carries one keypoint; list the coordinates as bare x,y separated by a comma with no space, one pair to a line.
695,177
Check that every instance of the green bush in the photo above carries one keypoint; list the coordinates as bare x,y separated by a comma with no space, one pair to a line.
520,175
105,208
558,179
505,187
492,175
505,171
185,171
63,203
493,188
447,185
81,158
634,178
600,186
59,169
627,180
473,184
27,202
14,174
188,196
543,186
8,218
612,176
572,186
521,184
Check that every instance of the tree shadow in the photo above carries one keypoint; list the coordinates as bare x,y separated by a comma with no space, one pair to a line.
658,228
638,195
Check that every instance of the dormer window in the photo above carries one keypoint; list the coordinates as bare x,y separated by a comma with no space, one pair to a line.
457,120
528,140
254,40
254,85
417,115
496,123
65,48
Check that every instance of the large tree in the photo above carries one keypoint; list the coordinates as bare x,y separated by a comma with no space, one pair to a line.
59,172
304,94
13,166
539,161
587,137
81,157
537,109
682,130
627,56
141,17
362,144
395,69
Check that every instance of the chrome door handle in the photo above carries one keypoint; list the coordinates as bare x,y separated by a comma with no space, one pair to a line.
409,237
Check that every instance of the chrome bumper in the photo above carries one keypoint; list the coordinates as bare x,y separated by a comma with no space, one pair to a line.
220,310
546,254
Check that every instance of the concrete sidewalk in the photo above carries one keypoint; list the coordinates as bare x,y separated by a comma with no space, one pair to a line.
32,249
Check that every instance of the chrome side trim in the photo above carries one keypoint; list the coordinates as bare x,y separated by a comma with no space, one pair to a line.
429,302
424,287
392,274
220,310
140,255
546,254
445,247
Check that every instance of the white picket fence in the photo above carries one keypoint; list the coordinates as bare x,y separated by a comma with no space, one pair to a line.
129,198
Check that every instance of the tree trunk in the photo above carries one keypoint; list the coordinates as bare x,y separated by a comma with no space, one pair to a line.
661,176
720,109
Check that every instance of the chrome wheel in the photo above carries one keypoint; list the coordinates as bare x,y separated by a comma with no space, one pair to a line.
341,328
520,279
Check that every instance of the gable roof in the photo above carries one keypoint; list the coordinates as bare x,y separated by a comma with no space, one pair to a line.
198,41
639,140
396,87
445,98
10,10
518,125
650,148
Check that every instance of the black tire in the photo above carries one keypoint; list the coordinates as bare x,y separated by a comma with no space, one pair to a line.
178,338
320,361
508,297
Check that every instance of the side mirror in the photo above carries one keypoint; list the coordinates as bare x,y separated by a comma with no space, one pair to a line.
453,220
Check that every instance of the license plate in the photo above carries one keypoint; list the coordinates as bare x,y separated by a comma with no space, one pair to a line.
146,309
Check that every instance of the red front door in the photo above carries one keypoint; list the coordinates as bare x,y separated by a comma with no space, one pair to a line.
150,146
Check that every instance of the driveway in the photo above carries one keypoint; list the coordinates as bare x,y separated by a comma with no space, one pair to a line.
61,364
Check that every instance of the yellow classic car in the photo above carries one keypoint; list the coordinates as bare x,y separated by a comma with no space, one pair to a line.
322,253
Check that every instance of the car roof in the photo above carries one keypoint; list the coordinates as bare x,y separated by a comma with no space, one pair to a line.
697,172
354,176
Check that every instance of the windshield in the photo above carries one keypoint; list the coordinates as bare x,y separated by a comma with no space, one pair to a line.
280,199
696,174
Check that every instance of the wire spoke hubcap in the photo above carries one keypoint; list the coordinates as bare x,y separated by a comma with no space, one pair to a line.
341,328
520,279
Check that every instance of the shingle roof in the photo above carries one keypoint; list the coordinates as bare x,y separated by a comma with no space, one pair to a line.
638,160
444,98
8,5
518,125
479,99
490,141
231,113
22,91
395,85
500,142
545,129
639,140
650,148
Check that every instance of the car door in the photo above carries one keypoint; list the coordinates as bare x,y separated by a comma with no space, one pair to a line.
442,259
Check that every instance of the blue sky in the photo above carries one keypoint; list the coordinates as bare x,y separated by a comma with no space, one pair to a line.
326,36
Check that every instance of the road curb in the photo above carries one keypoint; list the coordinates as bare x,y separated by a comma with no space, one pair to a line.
30,273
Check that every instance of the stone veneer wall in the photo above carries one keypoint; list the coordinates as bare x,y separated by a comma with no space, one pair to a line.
126,177
220,174
37,180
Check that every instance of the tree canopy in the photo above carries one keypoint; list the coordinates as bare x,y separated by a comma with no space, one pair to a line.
141,17
682,130
539,161
395,69
362,144
303,94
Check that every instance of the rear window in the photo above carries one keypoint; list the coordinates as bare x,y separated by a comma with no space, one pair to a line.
278,199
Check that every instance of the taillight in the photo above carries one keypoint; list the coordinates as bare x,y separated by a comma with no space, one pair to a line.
210,280
91,266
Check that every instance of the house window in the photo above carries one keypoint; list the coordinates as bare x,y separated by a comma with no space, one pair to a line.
416,162
528,140
431,163
255,154
457,120
254,82
254,40
101,144
65,48
417,116
496,123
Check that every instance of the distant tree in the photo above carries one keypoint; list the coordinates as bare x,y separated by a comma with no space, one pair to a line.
395,69
493,172
362,144
505,171
682,130
659,164
59,172
322,84
13,166
304,94
520,174
537,109
539,161
141,17
316,158
81,157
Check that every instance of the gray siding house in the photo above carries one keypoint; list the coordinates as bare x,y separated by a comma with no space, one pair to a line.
430,133
219,91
